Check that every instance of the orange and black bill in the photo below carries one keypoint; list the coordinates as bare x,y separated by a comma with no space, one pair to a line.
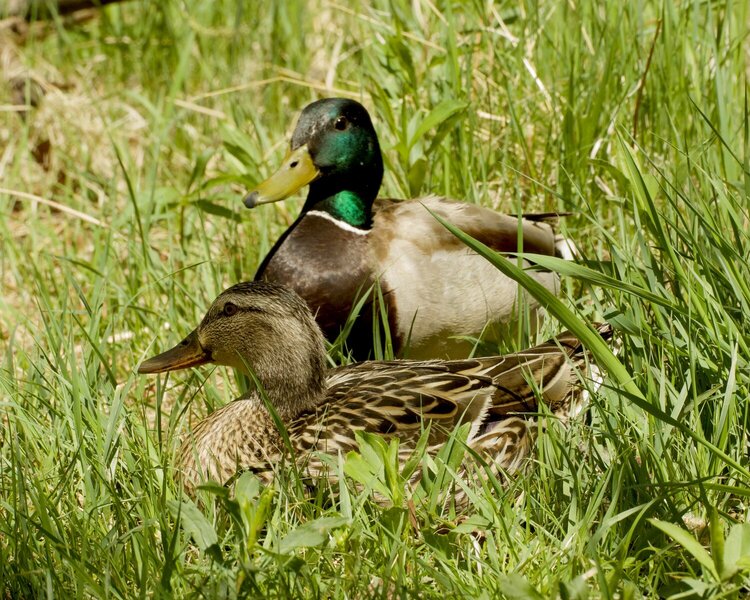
188,353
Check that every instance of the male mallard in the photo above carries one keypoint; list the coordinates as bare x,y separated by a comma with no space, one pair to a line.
268,329
344,240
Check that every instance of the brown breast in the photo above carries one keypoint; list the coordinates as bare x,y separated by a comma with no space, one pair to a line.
330,267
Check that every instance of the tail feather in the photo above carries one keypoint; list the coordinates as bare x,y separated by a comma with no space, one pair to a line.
549,217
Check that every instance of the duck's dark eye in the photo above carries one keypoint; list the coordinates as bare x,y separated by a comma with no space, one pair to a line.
341,123
230,309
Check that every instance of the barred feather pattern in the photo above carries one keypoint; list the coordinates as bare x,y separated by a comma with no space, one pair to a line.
499,396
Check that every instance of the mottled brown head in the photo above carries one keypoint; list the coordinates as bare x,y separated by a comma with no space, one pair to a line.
260,327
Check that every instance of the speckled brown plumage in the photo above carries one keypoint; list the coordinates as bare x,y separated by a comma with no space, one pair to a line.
267,329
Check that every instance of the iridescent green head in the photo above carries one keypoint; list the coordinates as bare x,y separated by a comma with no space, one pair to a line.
335,150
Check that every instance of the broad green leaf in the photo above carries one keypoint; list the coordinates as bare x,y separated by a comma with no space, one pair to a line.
313,533
194,523
373,447
416,175
516,587
392,476
442,112
413,461
364,472
199,169
737,550
716,531
689,543
577,589
473,523
247,487
220,211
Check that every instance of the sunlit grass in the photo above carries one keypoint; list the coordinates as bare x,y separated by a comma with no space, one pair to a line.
156,117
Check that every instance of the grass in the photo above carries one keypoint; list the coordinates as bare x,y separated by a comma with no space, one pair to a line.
156,117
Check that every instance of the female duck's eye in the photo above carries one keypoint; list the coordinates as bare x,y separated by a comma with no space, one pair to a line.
230,309
341,123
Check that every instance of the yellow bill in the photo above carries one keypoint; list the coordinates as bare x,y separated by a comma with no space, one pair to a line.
295,172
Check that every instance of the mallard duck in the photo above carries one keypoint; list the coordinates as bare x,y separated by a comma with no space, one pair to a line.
437,292
267,329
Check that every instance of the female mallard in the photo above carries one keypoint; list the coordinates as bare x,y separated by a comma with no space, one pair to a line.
268,330
437,292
